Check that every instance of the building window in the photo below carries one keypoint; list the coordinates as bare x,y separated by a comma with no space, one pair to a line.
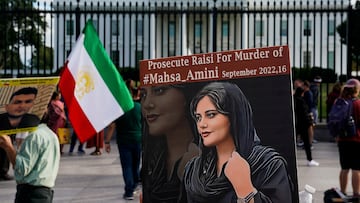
225,34
331,60
139,34
198,34
114,27
68,53
259,29
307,27
140,28
95,23
283,28
115,57
171,38
331,28
225,28
139,56
70,27
307,59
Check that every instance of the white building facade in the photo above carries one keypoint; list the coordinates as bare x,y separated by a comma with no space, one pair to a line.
131,31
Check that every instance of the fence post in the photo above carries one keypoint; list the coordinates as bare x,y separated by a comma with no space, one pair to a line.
214,27
77,19
349,42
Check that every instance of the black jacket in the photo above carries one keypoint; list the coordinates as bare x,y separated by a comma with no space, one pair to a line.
269,176
302,121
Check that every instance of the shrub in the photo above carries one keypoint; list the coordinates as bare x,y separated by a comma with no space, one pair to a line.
327,75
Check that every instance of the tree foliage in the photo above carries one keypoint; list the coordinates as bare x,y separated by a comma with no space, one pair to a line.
354,31
43,57
309,73
20,26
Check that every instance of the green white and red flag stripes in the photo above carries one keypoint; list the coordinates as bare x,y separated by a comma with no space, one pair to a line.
93,90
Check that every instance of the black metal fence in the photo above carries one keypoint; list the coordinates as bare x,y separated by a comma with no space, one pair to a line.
38,37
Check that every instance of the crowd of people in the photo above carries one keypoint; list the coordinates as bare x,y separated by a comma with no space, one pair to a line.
182,162
305,102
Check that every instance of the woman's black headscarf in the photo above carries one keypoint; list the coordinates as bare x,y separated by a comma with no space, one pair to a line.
268,169
230,101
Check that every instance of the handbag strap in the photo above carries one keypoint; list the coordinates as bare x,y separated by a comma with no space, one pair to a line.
350,110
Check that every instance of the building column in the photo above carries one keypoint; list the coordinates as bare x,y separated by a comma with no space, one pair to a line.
244,31
184,48
152,37
211,35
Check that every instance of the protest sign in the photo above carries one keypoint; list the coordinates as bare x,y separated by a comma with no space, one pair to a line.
263,75
40,90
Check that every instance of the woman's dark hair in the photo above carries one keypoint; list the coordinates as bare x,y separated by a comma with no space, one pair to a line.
337,87
54,95
230,101
299,91
188,94
350,88
155,152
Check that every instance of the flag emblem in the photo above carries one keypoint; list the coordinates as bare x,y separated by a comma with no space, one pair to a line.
93,90
84,84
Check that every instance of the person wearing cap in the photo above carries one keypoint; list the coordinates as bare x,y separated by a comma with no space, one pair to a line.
315,89
309,99
349,147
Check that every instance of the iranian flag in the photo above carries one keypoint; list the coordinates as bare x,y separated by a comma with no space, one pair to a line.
93,90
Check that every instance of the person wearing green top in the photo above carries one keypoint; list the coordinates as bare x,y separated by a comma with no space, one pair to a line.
128,138
36,165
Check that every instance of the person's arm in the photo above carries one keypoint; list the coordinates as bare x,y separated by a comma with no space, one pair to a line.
6,144
271,181
242,184
109,133
356,111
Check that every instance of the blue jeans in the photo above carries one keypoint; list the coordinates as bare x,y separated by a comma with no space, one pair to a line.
315,113
73,142
29,193
130,163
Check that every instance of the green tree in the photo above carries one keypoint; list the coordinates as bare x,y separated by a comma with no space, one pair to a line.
42,58
20,26
354,28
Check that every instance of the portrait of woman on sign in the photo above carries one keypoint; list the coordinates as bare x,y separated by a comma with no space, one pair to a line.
169,141
233,165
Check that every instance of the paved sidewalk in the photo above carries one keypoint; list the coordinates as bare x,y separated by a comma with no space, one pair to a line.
321,177
82,178
96,179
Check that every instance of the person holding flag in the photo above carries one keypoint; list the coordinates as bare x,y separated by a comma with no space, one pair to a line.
128,138
92,88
